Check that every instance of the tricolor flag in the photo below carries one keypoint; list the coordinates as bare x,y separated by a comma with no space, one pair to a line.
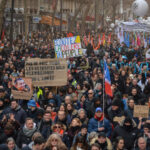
108,89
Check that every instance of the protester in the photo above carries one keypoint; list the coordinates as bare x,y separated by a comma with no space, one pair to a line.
25,134
99,123
85,113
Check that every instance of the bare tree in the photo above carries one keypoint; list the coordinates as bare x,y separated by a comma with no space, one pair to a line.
77,11
85,14
54,12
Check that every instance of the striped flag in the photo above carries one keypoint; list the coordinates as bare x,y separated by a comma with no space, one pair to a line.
108,89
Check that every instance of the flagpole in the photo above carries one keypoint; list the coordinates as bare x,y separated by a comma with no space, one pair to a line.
103,89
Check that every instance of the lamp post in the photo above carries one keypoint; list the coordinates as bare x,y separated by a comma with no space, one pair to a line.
11,28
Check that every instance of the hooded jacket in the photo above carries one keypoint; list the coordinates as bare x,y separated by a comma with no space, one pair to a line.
129,134
95,123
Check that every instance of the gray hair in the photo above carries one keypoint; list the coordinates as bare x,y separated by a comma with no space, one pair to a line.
96,86
10,139
81,109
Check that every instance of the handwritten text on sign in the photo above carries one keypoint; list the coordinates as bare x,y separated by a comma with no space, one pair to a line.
141,111
68,47
47,72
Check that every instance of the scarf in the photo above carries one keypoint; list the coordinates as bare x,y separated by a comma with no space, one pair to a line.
28,132
99,118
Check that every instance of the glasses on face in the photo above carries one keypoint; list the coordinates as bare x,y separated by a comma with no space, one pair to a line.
90,93
57,127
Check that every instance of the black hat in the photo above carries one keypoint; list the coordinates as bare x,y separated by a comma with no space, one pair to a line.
102,134
128,120
84,126
116,103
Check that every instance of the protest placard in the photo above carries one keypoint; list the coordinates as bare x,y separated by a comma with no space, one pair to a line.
68,47
119,119
141,111
22,88
46,72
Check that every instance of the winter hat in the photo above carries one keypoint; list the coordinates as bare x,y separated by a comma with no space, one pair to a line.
52,101
98,109
32,103
116,103
102,134
128,120
84,126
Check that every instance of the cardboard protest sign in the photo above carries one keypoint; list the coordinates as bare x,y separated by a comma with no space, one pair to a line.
119,119
46,72
141,111
22,88
68,47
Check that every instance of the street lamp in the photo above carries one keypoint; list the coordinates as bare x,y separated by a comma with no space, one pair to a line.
11,28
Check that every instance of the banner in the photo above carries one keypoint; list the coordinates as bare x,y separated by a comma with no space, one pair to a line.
22,88
46,72
135,27
68,47
141,111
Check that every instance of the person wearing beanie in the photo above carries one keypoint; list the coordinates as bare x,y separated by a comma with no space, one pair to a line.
99,123
33,110
115,111
83,133
128,131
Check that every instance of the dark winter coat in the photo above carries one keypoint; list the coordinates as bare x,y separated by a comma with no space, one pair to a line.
129,135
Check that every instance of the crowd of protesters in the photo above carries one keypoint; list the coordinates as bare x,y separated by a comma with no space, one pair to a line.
80,115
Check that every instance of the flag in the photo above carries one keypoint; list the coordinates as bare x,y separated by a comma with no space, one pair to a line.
108,89
103,39
99,40
128,40
85,40
120,36
92,42
138,40
125,38
133,42
145,42
89,38
109,38
3,34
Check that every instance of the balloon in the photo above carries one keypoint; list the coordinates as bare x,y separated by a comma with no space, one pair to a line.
112,25
140,8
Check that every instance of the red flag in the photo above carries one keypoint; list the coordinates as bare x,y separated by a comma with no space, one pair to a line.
70,35
3,34
92,42
89,37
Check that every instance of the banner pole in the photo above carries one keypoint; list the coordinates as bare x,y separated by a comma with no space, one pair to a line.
103,89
